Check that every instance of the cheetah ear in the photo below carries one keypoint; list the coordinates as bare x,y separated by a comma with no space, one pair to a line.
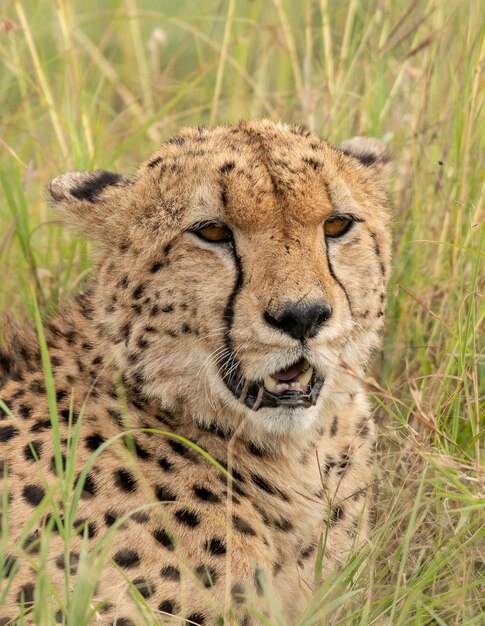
87,200
370,152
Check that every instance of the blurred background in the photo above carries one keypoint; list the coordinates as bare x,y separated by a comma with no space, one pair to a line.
86,84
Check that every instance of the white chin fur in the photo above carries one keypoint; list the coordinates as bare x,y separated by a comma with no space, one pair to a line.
283,420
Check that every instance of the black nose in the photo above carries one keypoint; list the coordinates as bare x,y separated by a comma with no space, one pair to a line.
300,320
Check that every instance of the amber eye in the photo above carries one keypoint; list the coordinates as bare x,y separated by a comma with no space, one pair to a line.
214,233
337,226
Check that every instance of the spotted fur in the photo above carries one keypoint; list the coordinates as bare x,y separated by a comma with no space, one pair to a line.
144,349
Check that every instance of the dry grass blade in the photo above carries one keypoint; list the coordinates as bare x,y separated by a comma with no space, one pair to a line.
400,21
108,71
292,52
417,413
222,60
427,41
327,47
141,60
46,91
426,308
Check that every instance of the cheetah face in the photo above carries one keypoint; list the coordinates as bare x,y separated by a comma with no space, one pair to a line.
243,269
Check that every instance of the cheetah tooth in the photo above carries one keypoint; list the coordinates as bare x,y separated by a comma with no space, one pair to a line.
270,383
305,377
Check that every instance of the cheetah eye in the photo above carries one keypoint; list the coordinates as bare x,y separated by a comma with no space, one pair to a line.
337,226
213,233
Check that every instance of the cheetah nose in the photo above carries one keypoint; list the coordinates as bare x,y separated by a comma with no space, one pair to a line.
300,320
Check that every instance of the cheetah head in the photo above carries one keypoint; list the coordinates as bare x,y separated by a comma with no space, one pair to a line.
242,270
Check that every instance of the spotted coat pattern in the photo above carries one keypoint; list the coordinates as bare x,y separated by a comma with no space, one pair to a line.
192,502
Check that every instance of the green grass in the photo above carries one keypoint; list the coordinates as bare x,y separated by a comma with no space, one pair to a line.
90,84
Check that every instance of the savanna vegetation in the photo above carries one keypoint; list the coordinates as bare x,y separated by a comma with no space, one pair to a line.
100,84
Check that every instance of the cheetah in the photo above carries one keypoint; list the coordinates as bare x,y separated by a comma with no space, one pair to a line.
211,377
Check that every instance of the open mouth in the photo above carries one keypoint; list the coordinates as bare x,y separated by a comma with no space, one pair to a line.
296,386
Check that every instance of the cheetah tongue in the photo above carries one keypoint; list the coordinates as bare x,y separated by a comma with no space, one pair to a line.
296,378
292,372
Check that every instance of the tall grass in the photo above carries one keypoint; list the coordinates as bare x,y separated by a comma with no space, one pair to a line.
89,84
